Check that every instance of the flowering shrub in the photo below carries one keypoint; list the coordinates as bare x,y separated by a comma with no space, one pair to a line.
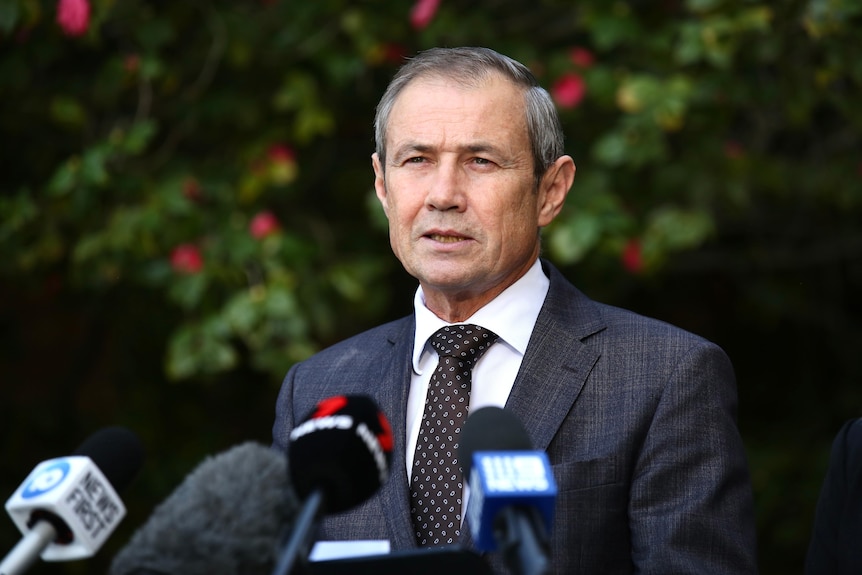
260,126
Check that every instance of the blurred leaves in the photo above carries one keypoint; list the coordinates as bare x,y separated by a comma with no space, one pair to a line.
175,125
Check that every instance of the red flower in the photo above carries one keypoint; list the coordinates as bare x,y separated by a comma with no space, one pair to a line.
263,224
423,12
187,259
632,256
581,57
279,153
569,90
73,16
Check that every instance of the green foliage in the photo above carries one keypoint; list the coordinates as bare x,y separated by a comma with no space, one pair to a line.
138,156
167,118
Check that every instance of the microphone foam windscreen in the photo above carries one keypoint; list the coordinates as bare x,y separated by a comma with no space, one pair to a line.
343,449
491,429
226,518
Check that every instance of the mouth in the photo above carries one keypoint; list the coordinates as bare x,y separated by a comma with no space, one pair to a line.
445,239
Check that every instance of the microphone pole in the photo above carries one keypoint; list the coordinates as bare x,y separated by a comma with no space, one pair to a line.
298,545
512,490
337,458
523,540
25,553
68,506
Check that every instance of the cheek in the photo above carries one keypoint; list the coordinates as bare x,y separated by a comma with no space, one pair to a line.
401,213
395,210
520,216
396,198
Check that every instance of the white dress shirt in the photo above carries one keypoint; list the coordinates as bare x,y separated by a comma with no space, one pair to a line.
511,315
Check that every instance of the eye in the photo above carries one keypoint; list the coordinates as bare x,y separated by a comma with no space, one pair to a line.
415,160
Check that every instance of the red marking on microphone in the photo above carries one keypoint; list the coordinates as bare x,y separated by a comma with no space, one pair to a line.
385,437
329,406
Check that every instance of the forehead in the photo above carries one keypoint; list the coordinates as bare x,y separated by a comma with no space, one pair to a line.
438,107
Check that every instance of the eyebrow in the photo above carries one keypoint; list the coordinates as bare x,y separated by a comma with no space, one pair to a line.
413,147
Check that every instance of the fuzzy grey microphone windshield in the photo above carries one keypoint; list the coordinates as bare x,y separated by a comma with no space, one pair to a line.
226,518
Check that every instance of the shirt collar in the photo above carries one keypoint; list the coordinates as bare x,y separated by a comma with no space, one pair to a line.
511,315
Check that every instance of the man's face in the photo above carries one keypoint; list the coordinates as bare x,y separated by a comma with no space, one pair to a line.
458,188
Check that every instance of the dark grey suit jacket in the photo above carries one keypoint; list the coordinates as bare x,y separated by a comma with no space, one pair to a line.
637,418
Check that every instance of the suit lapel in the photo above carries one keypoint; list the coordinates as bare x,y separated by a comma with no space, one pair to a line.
394,384
557,363
555,366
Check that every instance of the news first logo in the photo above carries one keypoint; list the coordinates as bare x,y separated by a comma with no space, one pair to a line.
77,492
95,505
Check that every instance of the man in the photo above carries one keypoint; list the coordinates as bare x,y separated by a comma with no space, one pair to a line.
636,416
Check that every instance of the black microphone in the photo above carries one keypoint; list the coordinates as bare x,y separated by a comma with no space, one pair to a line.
338,457
512,490
226,518
68,506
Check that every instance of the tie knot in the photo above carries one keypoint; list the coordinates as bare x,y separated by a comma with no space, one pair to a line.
466,342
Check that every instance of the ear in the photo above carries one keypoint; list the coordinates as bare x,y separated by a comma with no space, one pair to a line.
380,182
554,188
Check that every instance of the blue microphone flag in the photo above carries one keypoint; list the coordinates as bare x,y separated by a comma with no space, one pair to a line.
502,479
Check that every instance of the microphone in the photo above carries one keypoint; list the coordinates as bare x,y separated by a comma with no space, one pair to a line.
338,457
512,490
68,506
225,518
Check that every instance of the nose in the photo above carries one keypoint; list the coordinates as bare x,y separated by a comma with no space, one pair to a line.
446,188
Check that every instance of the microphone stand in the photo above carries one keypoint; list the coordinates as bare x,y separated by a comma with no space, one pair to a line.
522,540
297,546
28,549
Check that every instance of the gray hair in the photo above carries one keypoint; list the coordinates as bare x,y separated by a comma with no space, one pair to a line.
469,67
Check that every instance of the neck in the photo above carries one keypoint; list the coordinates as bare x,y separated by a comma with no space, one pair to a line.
458,306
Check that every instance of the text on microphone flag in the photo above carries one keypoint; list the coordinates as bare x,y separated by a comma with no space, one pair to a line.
514,473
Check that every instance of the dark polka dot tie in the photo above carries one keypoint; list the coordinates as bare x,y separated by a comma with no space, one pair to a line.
436,483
